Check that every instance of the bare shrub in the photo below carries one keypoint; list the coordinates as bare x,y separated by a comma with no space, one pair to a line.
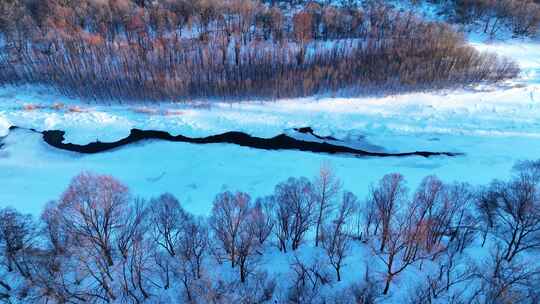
260,289
307,281
367,291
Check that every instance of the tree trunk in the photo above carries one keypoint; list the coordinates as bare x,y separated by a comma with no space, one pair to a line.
387,284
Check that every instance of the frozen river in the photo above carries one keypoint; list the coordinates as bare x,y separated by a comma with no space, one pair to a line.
492,127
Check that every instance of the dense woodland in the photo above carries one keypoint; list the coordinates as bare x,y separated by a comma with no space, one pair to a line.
181,49
98,244
519,17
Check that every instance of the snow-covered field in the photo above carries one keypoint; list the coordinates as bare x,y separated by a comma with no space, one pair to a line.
492,126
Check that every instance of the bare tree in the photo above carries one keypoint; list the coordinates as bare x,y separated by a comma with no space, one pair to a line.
53,230
133,227
193,250
366,292
18,233
529,168
183,238
194,245
135,274
429,209
259,289
263,220
336,241
229,213
275,53
398,239
441,211
451,271
167,221
93,211
405,244
462,222
56,274
368,220
326,187
96,244
134,246
307,281
516,214
436,218
486,205
283,217
248,247
295,210
504,281
164,267
387,198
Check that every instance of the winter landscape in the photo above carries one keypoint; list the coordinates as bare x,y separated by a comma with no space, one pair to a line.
247,151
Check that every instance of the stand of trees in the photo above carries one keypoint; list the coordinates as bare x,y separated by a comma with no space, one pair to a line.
98,244
176,50
520,17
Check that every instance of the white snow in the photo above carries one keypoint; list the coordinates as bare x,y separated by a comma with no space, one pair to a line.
4,126
493,125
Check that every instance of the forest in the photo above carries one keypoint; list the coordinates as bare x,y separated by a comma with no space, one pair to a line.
99,244
520,17
179,50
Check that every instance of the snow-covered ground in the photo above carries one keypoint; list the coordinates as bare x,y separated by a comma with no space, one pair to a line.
493,126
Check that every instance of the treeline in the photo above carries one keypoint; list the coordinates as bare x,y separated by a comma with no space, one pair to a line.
97,244
519,17
176,50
